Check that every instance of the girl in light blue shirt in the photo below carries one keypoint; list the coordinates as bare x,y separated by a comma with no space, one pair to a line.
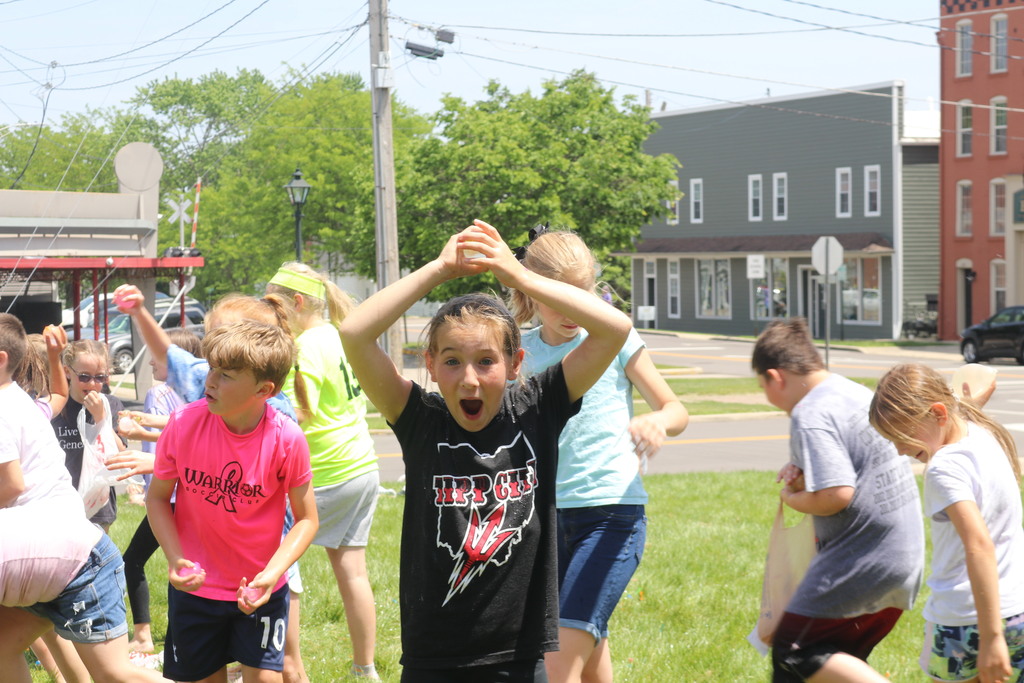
602,451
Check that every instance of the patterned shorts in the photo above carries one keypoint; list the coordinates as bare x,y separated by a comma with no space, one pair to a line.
950,653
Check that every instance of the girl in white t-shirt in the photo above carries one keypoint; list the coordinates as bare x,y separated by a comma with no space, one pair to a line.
975,614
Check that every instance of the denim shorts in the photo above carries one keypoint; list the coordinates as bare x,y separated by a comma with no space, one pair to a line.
346,511
599,549
91,608
950,653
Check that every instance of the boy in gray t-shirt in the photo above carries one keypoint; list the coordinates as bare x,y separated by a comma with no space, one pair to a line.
867,520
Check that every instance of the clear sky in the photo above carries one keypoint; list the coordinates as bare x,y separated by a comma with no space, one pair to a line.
687,53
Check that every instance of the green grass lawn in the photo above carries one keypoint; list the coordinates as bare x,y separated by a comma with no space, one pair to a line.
684,618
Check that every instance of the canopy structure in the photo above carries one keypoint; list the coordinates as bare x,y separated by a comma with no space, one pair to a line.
51,237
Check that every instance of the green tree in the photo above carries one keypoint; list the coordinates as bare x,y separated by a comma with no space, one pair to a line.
246,225
571,156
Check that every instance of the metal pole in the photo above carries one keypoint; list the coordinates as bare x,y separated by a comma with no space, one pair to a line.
828,302
298,233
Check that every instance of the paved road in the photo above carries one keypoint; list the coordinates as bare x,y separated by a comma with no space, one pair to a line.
759,441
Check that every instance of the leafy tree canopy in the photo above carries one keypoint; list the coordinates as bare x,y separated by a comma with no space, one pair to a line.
571,156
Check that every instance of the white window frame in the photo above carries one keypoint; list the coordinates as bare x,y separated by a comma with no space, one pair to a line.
998,138
964,51
755,197
696,200
780,197
998,44
844,173
717,306
996,278
873,186
858,265
964,134
964,208
673,205
768,282
997,207
675,308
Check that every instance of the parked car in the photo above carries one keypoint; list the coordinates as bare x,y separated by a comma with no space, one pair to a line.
1001,336
119,330
86,308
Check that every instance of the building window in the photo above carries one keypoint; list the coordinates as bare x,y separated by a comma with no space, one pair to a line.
998,125
672,205
673,288
997,207
780,196
964,211
754,197
844,192
696,200
964,48
964,128
872,190
861,290
770,294
998,285
998,46
713,289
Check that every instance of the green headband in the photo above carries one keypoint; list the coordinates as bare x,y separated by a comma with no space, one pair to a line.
299,282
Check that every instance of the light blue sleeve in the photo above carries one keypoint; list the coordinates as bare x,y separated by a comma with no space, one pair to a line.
186,374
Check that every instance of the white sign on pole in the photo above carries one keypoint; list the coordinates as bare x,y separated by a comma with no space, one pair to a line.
755,266
827,255
645,312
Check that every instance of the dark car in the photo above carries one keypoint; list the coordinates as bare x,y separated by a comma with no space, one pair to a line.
1001,336
120,333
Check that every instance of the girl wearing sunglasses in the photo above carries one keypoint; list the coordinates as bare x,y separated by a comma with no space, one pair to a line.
87,366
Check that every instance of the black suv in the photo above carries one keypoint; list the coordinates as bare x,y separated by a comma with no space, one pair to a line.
1001,336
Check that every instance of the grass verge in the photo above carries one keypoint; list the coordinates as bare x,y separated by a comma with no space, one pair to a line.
685,615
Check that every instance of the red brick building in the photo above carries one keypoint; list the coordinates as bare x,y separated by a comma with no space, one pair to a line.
981,160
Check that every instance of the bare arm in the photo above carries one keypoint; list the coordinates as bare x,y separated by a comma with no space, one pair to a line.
12,482
161,519
133,303
56,339
993,656
668,417
382,382
822,503
607,328
295,542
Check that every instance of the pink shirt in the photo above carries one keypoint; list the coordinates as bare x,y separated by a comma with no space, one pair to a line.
231,492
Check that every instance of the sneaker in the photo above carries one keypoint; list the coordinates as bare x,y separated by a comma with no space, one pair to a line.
368,672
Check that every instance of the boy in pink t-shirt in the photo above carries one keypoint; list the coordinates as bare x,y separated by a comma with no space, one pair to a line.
234,460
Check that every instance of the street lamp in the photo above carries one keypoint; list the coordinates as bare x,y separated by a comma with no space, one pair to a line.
297,190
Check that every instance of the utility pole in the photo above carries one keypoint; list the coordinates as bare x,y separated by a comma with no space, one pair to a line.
382,78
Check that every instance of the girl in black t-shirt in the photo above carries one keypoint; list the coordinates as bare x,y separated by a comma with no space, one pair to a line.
87,366
478,581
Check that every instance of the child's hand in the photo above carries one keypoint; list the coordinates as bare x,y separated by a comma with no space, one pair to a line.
94,403
129,299
647,433
254,594
496,255
792,476
453,262
129,426
138,462
56,339
186,575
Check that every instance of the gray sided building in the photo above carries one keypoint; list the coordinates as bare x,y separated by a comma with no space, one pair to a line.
766,179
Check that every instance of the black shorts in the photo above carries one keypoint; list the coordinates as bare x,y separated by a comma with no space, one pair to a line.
802,645
204,635
518,671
